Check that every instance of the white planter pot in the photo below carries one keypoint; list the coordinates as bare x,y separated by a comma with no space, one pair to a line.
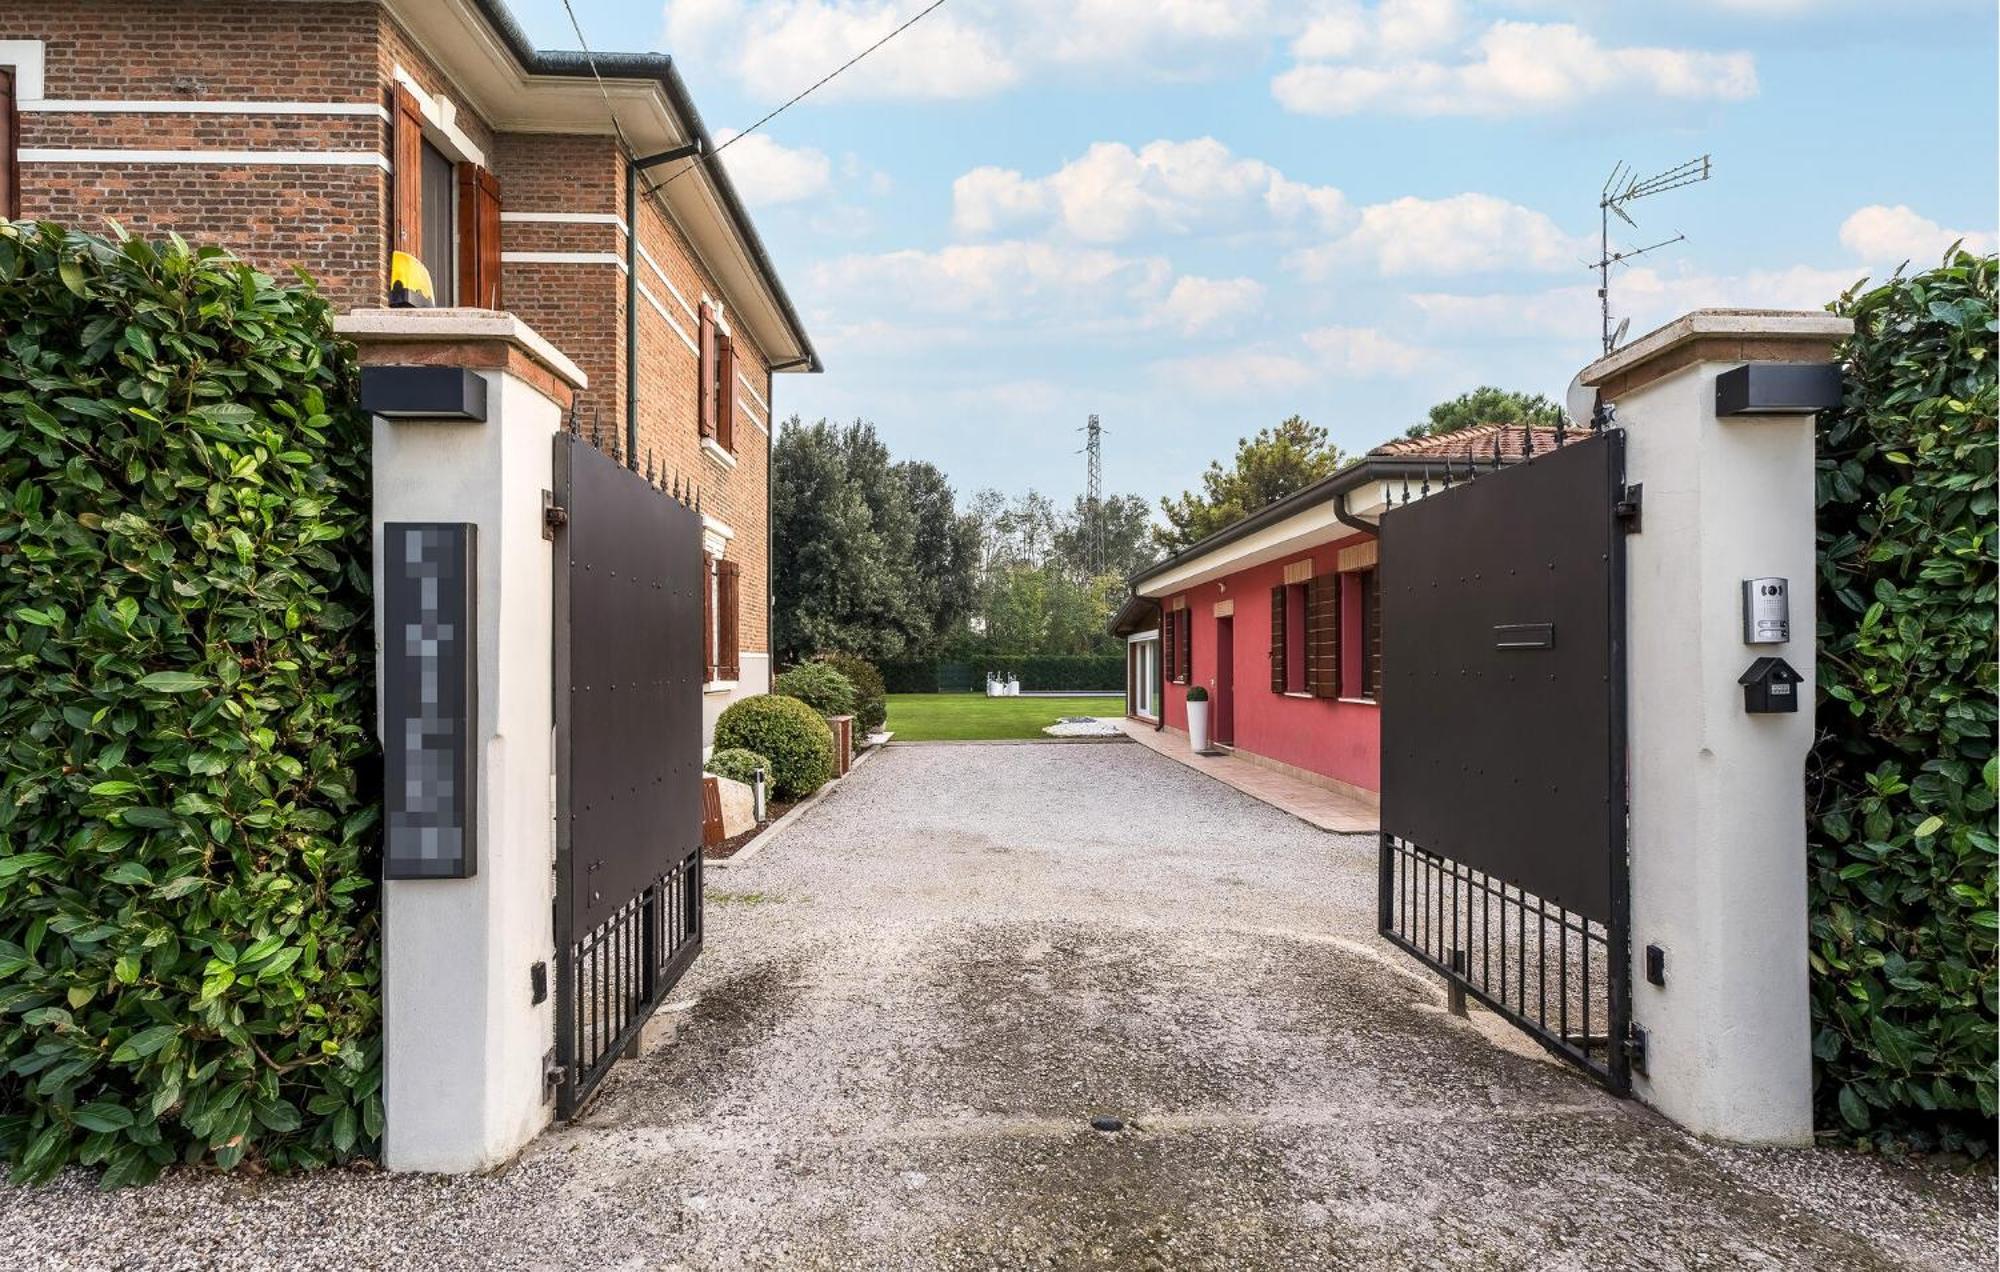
1198,725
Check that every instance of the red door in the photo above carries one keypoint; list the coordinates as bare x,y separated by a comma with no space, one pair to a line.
1224,709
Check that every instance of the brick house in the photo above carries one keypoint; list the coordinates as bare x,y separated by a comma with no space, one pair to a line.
1278,615
329,133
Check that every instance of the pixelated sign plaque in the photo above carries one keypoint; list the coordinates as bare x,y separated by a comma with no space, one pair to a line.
429,690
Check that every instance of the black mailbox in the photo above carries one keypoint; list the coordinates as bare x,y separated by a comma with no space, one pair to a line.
1770,686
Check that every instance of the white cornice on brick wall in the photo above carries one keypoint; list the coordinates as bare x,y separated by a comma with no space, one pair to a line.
221,158
182,106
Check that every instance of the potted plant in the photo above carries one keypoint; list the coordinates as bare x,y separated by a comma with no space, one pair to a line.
1197,704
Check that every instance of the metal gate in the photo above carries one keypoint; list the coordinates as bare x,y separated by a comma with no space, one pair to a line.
628,653
1503,861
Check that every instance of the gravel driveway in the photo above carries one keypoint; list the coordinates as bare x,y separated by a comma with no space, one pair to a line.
912,1003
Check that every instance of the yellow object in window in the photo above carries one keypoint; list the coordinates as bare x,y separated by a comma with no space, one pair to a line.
409,283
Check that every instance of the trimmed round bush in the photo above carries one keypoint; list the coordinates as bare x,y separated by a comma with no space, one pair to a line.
871,703
819,686
793,736
738,764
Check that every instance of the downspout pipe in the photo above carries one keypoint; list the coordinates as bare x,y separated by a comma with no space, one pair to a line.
1160,670
1346,518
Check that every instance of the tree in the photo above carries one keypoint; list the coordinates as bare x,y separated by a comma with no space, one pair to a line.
1488,405
872,556
1269,466
1128,536
945,555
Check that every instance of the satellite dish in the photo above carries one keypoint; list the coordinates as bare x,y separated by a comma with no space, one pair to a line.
1618,336
1581,402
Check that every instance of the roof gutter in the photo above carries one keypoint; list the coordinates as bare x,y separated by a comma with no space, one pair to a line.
1335,488
660,68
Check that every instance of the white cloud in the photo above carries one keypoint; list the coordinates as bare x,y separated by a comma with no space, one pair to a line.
1462,233
1345,353
1886,236
768,172
1351,61
779,48
1004,281
969,49
1196,304
1112,193
1647,296
1236,374
1358,352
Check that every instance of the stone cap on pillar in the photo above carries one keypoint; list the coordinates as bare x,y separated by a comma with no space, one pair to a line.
481,339
1718,335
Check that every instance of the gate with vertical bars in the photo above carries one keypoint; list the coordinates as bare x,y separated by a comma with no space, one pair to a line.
629,665
1503,850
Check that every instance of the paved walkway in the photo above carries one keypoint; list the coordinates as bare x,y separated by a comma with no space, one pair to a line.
1326,809
911,1005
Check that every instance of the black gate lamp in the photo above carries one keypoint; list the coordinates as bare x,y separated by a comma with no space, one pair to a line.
1778,388
1770,687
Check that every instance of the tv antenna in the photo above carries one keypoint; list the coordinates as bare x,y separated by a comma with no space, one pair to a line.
1093,530
1622,189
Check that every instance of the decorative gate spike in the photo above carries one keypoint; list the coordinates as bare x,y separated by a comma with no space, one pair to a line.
1447,471
1527,441
1562,422
596,439
1406,488
1427,483
1498,458
649,465
573,424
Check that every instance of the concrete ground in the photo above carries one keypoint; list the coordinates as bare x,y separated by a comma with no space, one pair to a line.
912,1004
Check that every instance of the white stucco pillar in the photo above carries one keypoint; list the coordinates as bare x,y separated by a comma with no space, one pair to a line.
1718,855
463,1037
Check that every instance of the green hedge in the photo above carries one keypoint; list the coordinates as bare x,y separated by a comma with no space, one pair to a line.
188,965
869,708
1902,837
820,686
1075,673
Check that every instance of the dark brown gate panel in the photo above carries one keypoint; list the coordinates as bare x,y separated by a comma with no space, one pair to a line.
1498,710
1503,743
629,669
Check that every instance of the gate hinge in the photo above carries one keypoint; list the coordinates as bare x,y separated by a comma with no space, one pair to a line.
552,1075
553,515
1627,509
1635,1049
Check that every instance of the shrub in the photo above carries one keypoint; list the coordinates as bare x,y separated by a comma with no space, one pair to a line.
1197,693
871,705
737,764
795,737
188,964
1901,835
819,686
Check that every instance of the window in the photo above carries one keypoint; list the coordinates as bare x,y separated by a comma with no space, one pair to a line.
10,147
717,375
434,242
720,645
446,212
1361,634
1145,672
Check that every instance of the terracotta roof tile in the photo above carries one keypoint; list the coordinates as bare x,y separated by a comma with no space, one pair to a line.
1475,442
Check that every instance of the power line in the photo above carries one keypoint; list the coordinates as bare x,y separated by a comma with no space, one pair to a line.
818,84
591,60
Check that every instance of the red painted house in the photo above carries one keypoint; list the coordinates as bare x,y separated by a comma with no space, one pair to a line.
1277,616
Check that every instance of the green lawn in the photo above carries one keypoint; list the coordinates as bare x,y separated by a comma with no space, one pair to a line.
961,717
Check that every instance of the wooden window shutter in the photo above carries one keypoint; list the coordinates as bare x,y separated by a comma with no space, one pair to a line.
1278,669
1323,636
1168,647
1187,645
10,147
478,237
707,617
706,373
407,219
729,656
725,392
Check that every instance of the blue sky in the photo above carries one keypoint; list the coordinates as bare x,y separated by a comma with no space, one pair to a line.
1195,217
